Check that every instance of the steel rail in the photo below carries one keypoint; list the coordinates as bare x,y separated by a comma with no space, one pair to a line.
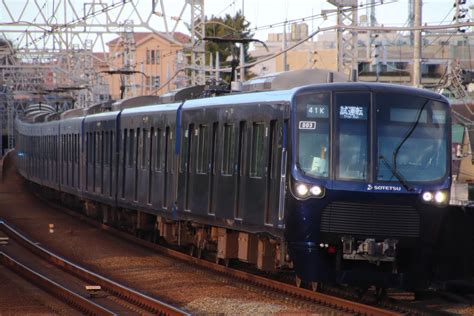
77,301
320,298
150,303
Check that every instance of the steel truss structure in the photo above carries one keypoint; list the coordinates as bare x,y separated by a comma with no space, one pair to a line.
48,49
347,52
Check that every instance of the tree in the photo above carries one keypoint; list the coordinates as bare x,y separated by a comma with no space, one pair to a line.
231,28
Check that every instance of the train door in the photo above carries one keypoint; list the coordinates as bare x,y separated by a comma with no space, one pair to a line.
224,181
274,167
199,178
259,179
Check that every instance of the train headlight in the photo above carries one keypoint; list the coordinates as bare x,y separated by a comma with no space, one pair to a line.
302,190
440,197
316,190
427,196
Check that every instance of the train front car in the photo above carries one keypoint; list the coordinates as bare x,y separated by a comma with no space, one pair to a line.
369,186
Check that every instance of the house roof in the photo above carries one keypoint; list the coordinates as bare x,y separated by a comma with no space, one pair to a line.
178,37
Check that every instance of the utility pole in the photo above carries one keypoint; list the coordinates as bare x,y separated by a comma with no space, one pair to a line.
417,45
411,19
285,45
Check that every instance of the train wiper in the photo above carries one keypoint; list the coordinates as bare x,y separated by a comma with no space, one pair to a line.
395,172
299,168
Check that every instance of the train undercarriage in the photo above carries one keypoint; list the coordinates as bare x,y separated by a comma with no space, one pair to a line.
261,251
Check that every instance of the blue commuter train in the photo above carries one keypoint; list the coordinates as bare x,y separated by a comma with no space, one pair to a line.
345,182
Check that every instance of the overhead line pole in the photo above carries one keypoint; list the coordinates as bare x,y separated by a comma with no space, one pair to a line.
417,47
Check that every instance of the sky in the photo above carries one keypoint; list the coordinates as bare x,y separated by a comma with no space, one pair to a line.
267,12
265,16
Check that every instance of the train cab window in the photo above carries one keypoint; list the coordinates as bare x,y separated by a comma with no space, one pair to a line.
185,146
412,135
257,155
202,163
352,116
228,150
313,133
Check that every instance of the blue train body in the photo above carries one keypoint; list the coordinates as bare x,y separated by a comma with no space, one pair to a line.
351,180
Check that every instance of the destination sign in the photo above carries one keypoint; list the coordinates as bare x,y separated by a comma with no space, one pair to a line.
353,112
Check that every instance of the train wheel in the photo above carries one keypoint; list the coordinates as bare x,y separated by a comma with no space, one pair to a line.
316,286
380,293
199,253
298,281
360,292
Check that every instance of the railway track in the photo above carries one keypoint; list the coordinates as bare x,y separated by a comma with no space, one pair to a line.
77,301
292,292
288,295
106,297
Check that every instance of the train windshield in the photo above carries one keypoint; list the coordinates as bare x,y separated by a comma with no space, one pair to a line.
313,126
411,138
352,135
409,135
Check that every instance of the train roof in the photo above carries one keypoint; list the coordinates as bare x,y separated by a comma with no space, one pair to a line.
283,96
101,116
374,87
152,108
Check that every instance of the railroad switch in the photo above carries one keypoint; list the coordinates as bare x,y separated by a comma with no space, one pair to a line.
93,290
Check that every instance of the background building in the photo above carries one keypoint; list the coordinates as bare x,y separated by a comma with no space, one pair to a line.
145,62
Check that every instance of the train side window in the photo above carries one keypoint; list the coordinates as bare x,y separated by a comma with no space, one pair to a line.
131,146
150,148
257,155
97,148
138,140
228,152
242,154
167,153
69,147
158,150
202,163
100,145
214,144
88,148
77,148
124,159
111,148
91,147
145,135
105,147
